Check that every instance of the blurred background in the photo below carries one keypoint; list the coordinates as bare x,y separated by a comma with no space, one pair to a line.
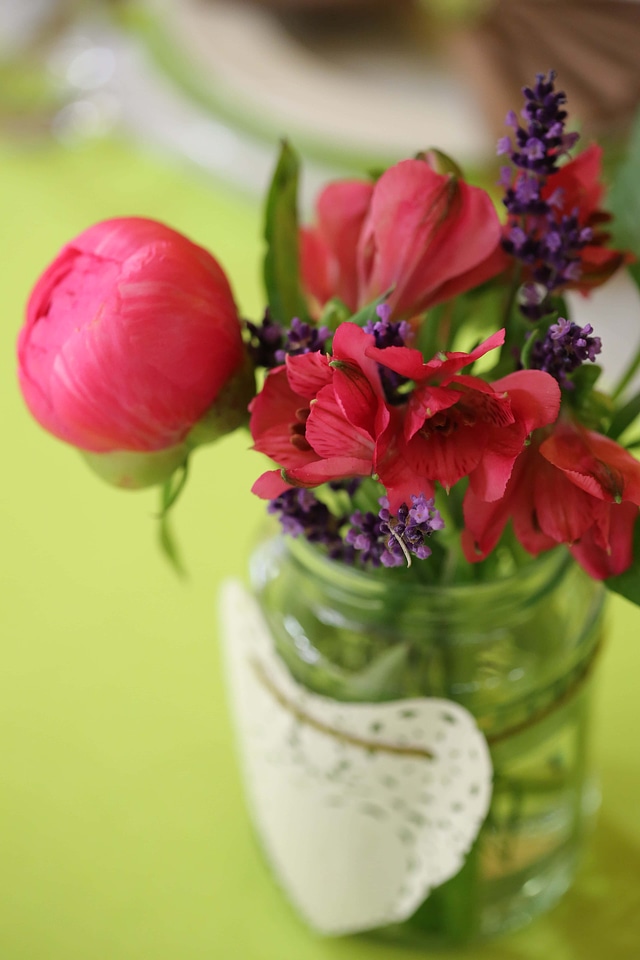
123,828
354,83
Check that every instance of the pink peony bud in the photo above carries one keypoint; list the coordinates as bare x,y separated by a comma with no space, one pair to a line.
132,350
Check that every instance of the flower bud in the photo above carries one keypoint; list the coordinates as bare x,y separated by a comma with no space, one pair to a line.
133,469
419,231
132,341
440,162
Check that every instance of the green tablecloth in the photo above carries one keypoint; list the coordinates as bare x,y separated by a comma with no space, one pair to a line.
124,835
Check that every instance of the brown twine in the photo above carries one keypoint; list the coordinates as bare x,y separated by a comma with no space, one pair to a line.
408,751
315,724
571,691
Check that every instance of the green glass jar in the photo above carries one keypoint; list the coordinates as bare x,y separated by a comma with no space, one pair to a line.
516,652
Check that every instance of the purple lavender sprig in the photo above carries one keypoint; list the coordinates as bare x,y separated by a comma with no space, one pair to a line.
538,146
563,349
388,333
270,342
381,539
265,338
543,238
302,338
301,514
390,541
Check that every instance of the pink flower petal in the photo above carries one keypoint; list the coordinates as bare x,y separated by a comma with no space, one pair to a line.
328,250
331,434
594,463
424,403
270,485
534,396
423,230
333,468
276,403
617,556
563,511
463,252
308,373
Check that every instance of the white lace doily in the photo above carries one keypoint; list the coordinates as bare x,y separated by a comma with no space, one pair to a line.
363,808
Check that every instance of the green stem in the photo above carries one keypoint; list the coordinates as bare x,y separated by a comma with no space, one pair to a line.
627,376
505,363
170,491
511,297
452,911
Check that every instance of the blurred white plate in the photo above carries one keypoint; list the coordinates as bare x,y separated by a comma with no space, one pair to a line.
374,93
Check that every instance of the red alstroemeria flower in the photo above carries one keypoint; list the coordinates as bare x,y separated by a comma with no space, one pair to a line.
428,235
577,186
571,485
318,417
328,251
456,425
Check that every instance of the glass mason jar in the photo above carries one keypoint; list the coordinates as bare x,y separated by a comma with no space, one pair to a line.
516,653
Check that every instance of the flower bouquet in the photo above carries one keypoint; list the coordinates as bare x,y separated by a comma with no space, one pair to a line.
410,668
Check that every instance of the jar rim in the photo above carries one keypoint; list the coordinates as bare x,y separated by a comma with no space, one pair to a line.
534,578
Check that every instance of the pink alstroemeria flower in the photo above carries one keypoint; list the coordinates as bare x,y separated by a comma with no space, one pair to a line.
457,425
571,485
428,235
329,249
318,416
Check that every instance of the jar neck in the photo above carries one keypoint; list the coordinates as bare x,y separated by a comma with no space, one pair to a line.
381,589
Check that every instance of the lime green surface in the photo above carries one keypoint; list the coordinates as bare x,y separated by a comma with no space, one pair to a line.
124,835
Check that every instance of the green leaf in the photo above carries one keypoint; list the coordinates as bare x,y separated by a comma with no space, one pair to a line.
368,312
334,313
380,679
627,584
594,409
624,417
173,487
441,162
634,270
529,344
374,173
282,260
624,200
169,546
624,204
585,378
170,491
630,372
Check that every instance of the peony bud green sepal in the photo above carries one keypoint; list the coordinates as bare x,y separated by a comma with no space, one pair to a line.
133,469
229,409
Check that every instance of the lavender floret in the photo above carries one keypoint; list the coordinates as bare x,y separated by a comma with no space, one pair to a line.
265,339
388,333
270,342
565,347
302,338
301,514
390,541
538,145
365,535
380,539
542,238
